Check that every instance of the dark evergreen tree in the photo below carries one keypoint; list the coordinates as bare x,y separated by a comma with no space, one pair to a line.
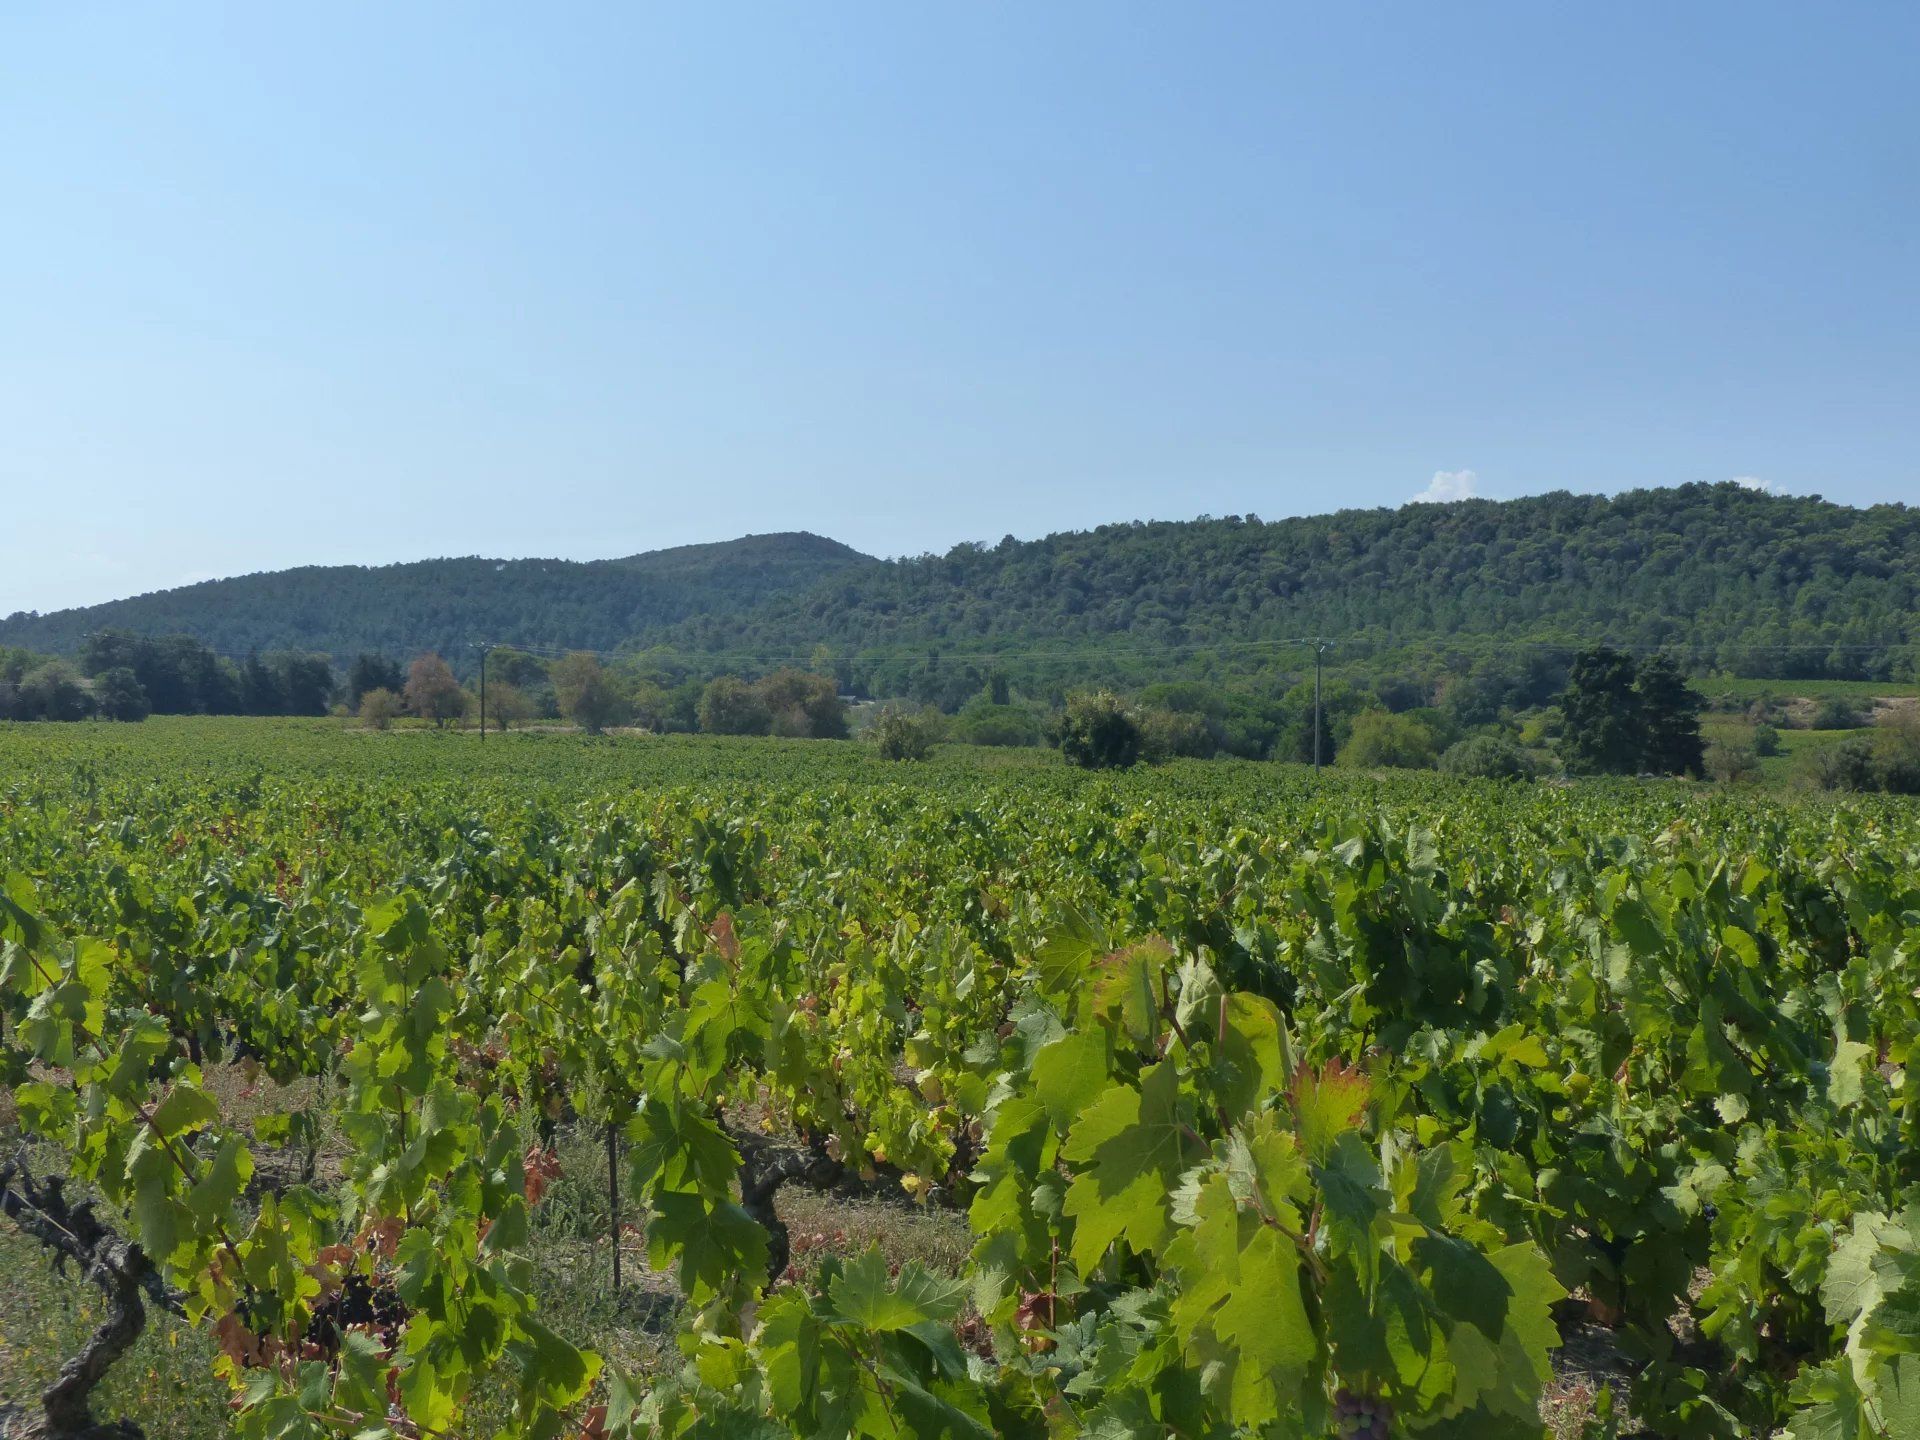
259,691
305,683
1605,727
373,672
117,694
1671,710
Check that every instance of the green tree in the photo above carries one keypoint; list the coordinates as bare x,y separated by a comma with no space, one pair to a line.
803,705
117,694
54,692
259,692
982,721
1670,711
432,693
730,706
586,693
305,682
1098,731
1603,729
507,706
1380,738
1172,734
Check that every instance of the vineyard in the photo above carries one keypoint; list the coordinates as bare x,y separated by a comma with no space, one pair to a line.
1261,1103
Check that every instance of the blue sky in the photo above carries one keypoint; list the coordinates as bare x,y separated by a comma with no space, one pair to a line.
360,283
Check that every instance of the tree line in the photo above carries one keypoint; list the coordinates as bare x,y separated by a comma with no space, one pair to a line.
122,676
1513,716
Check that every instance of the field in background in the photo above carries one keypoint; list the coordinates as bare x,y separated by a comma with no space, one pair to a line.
1811,689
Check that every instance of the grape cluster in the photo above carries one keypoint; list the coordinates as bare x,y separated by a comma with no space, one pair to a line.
1364,1417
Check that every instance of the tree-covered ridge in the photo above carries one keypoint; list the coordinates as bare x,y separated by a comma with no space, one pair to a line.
1723,574
446,605
1726,577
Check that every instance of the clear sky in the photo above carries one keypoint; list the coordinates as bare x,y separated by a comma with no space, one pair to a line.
370,282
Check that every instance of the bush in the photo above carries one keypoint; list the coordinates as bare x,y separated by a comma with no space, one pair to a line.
1732,763
1766,739
1381,738
1098,731
1487,757
378,707
1887,761
903,732
1847,766
1836,712
1897,757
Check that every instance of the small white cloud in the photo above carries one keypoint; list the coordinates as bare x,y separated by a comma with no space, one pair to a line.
1765,487
1448,485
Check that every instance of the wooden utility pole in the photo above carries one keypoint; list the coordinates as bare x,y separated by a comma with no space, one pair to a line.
1320,648
485,650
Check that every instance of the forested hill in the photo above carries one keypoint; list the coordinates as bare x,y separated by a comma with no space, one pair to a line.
1760,583
446,605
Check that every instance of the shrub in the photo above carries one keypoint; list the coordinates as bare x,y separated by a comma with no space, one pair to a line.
1836,712
1766,739
1731,762
1381,738
1897,755
1098,731
378,708
902,732
1848,765
1487,757
1888,761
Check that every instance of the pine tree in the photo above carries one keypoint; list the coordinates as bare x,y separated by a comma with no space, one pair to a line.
1671,711
1605,723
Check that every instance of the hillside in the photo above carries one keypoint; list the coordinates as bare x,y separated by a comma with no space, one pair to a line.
446,605
1759,584
1749,583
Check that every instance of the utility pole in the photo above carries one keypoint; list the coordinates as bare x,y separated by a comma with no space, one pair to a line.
485,650
1319,649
